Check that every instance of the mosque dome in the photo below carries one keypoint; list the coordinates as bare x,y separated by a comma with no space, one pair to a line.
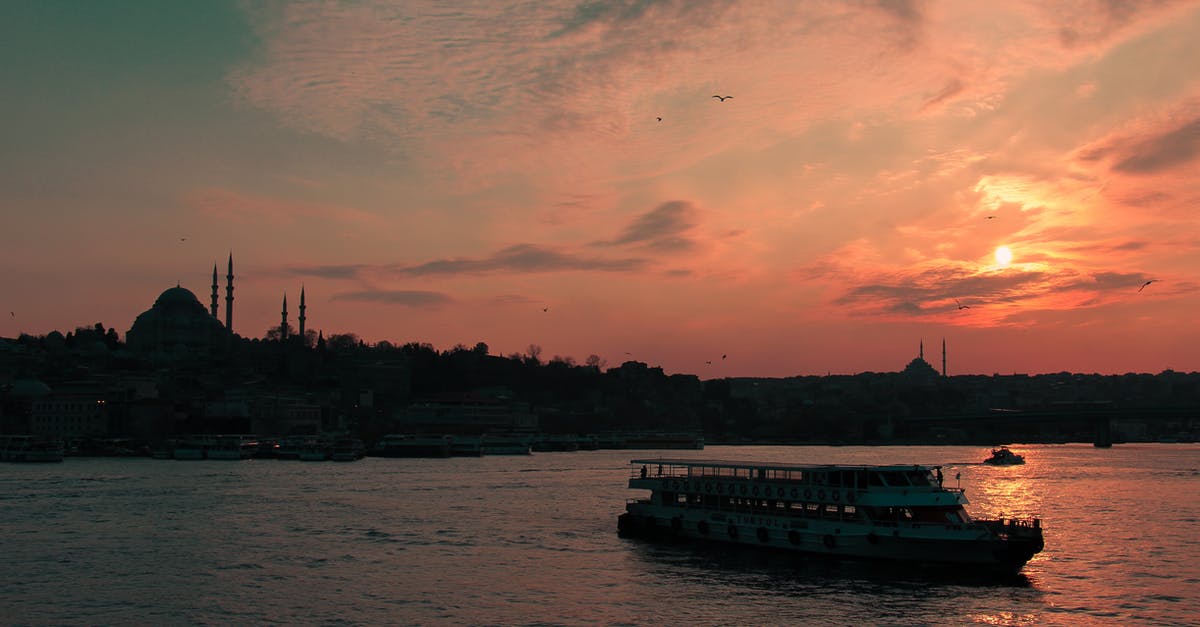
178,298
28,388
177,325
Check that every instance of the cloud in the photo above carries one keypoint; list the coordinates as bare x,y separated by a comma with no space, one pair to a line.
407,298
661,228
949,91
232,206
347,271
1162,152
576,86
524,258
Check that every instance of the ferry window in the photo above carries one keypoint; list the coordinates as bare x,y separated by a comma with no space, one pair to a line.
850,511
831,511
919,477
796,506
781,505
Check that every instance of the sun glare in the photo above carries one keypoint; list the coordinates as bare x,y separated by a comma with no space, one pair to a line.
1003,256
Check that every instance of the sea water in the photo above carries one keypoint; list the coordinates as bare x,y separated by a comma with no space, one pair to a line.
531,540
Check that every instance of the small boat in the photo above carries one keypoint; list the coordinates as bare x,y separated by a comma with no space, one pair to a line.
1004,457
898,513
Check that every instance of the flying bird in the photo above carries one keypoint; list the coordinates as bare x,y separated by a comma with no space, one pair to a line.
990,218
722,98
960,305
1146,283
659,119
724,356
545,309
708,362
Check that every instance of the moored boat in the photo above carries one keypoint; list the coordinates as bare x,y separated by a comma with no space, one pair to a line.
30,448
315,450
233,447
506,444
347,450
194,447
413,445
897,513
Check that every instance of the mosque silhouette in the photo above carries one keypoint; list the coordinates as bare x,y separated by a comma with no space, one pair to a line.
178,324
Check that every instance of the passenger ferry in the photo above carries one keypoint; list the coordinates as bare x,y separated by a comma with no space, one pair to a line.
899,513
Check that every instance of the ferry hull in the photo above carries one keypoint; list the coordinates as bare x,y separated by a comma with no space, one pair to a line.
974,547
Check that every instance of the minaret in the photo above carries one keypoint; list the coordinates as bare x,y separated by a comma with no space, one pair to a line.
214,294
921,351
283,321
943,357
229,296
301,313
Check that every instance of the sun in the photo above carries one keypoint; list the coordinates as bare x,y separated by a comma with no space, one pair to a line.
1003,256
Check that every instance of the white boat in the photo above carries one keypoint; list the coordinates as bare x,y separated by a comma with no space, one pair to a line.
898,513
30,448
1004,457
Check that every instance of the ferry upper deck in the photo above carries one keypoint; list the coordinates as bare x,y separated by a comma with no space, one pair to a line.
914,484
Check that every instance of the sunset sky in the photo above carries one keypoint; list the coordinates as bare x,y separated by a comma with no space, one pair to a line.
497,171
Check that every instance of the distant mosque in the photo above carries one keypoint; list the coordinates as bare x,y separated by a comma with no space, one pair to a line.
178,325
920,369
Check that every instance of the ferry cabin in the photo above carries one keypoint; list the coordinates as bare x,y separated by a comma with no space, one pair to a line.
898,512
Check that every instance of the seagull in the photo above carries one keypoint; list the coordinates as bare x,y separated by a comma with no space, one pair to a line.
708,362
183,239
960,305
724,356
990,218
545,309
1146,283
722,98
659,119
